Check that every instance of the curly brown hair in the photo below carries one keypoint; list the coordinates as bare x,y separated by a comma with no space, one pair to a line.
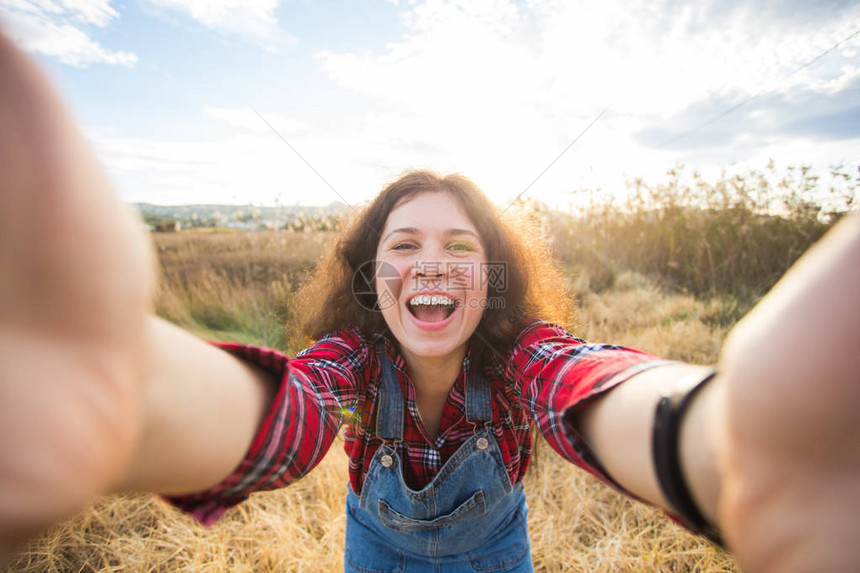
534,288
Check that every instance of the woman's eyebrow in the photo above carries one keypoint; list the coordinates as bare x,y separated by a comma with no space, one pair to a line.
415,231
462,232
410,230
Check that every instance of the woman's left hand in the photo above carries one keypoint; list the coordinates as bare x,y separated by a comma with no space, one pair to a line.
790,498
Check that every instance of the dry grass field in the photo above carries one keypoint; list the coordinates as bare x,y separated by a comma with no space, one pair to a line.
238,286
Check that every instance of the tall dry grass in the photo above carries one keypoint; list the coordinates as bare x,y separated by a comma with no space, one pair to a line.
736,235
237,286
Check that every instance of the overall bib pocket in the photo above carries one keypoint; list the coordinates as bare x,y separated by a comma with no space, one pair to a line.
471,508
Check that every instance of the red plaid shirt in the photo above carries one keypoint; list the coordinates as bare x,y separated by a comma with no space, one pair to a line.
335,382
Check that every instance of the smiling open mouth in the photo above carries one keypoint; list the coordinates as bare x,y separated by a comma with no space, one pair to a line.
431,308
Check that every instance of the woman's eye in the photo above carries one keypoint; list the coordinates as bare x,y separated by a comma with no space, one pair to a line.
462,247
403,247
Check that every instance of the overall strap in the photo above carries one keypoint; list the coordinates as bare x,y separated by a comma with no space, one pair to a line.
478,397
389,415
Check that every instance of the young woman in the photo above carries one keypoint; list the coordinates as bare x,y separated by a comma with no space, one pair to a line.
437,373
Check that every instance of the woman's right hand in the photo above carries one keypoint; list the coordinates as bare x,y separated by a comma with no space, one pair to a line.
76,279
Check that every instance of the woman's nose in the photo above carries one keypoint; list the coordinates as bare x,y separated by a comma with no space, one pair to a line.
429,275
430,269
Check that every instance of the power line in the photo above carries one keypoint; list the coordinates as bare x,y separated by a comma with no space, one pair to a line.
753,97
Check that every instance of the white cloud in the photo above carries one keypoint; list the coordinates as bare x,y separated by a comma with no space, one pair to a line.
96,12
503,87
631,54
253,20
240,168
52,29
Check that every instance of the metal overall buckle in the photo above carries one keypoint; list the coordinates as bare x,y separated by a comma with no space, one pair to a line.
482,442
387,458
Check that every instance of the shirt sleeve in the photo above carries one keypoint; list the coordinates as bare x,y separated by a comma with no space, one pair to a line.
558,373
314,389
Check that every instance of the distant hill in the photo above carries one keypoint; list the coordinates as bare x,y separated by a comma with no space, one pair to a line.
252,217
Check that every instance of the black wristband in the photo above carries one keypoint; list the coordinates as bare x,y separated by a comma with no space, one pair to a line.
665,441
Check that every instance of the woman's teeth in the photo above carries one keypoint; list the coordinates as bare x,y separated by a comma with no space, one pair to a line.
427,299
432,307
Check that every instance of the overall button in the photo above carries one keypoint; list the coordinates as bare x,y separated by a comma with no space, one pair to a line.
386,460
482,443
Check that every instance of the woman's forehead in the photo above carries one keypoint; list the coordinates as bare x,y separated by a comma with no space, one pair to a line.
428,210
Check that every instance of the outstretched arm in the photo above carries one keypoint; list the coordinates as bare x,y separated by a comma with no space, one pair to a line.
771,448
200,408
618,428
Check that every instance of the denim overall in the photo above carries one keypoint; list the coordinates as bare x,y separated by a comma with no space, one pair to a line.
468,518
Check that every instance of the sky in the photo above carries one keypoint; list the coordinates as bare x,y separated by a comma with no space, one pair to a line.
310,102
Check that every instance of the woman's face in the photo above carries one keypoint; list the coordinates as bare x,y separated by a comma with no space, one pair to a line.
436,298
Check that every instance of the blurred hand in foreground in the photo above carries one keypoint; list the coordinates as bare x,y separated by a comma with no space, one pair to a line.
791,490
75,286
